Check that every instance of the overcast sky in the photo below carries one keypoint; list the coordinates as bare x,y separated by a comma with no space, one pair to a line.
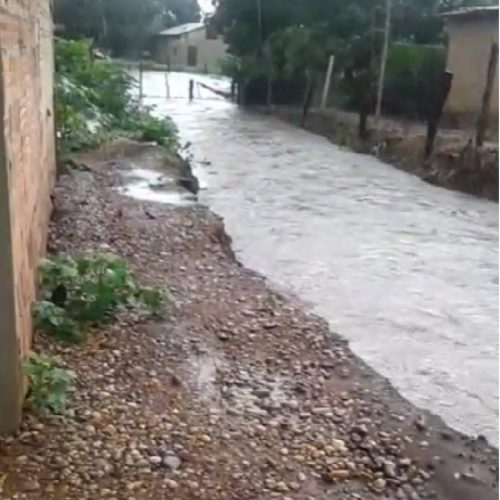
206,5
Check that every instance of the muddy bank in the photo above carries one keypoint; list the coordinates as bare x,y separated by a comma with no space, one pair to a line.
237,393
401,144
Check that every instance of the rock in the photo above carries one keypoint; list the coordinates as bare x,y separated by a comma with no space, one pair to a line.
336,475
420,423
171,484
281,486
171,462
470,477
379,484
446,436
155,460
390,469
31,485
262,392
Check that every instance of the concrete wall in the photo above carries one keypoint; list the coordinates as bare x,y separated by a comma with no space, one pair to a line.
27,173
470,41
175,50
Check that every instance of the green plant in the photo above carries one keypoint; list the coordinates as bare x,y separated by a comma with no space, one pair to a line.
48,384
80,293
95,101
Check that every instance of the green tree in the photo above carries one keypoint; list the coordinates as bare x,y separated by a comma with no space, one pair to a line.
122,26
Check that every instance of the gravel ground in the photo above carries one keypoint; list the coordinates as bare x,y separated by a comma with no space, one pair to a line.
237,393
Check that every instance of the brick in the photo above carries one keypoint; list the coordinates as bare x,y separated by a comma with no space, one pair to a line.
27,81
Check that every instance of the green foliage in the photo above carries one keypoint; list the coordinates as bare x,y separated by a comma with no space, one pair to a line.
122,26
78,294
48,384
412,79
152,129
302,33
94,101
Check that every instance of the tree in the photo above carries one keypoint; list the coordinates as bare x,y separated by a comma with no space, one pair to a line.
123,26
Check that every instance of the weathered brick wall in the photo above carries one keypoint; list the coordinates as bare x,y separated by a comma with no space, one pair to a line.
29,160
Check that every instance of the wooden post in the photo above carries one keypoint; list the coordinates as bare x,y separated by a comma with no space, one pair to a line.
167,85
141,81
311,80
326,88
191,89
383,60
482,121
435,112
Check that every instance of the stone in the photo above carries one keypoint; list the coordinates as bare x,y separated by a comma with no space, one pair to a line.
171,462
31,485
170,483
379,484
155,460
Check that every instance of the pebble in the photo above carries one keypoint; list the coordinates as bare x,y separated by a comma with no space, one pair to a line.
155,460
170,483
31,485
171,462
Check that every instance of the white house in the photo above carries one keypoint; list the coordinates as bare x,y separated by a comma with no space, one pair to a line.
192,45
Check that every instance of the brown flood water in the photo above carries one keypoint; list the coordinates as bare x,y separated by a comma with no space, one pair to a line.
407,272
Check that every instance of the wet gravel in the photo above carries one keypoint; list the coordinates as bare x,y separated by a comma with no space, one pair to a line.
237,393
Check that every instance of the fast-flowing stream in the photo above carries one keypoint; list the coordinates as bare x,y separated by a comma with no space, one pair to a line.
407,272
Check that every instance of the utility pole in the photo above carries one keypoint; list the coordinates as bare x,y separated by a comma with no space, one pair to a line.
383,59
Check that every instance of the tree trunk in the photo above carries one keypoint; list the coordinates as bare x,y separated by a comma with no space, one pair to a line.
482,122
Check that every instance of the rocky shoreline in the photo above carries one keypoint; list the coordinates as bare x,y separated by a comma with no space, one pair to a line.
237,393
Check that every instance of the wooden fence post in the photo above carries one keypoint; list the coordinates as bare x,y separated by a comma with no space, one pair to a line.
436,110
328,79
482,121
191,89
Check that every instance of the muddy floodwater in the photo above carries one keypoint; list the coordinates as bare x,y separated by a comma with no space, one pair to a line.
407,272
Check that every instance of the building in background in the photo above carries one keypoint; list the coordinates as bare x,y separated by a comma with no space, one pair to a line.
471,34
190,46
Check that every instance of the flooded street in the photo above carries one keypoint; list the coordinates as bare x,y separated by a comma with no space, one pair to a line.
407,272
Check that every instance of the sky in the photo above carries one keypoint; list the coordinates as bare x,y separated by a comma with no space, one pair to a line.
206,5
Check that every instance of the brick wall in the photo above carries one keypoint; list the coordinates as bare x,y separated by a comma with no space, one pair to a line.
28,163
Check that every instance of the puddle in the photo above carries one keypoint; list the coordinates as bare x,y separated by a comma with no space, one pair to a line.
201,371
150,185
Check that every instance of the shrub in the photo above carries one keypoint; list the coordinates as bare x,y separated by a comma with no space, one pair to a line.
78,294
94,100
48,384
413,77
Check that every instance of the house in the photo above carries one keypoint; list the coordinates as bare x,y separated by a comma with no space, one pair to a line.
471,34
193,45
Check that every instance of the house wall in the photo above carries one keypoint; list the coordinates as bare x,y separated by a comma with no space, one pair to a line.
27,173
469,48
175,50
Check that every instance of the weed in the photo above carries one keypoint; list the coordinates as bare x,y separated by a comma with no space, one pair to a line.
78,294
48,384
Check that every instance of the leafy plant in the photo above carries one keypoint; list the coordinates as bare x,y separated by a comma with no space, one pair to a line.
78,294
48,384
95,101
